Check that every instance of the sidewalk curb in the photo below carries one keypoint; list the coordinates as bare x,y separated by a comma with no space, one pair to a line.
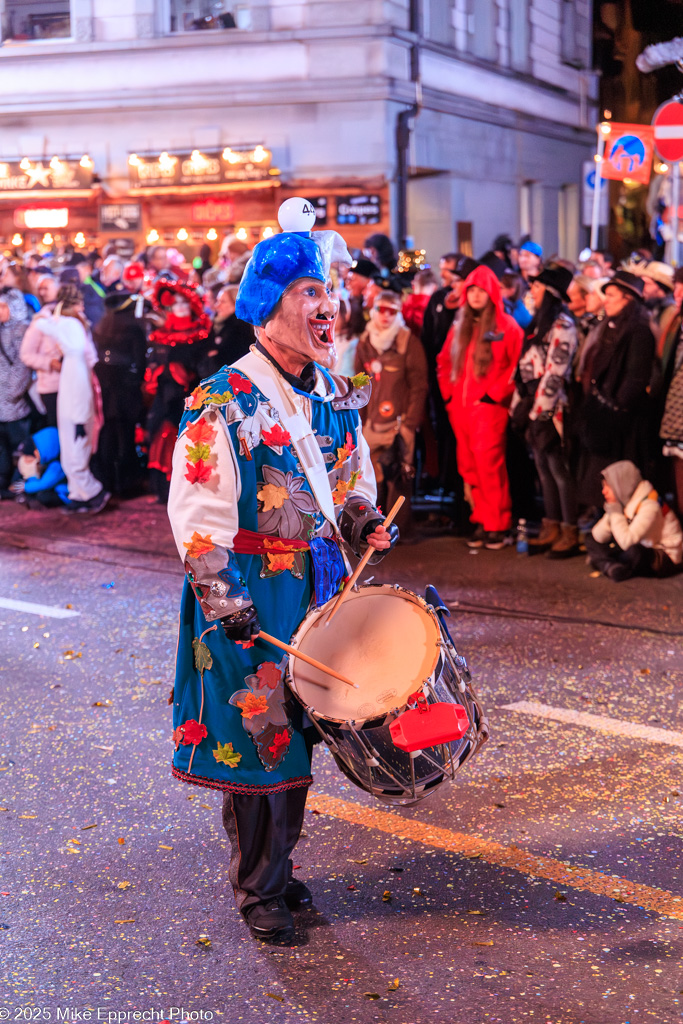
128,558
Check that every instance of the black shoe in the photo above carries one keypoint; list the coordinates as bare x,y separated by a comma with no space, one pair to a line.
496,539
297,894
477,538
271,921
617,572
96,504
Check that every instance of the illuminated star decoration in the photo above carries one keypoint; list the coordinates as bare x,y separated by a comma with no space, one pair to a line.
38,175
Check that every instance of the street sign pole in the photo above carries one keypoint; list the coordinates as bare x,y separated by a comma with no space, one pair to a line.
675,200
595,222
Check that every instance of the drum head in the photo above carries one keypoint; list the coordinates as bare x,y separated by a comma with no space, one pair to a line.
382,638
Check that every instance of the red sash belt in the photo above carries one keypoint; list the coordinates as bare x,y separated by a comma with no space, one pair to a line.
247,542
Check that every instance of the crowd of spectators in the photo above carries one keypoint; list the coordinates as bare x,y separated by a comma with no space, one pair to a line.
505,390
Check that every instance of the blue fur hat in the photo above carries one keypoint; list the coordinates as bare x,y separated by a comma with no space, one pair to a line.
277,262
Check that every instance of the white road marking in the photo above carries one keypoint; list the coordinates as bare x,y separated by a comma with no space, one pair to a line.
615,726
45,610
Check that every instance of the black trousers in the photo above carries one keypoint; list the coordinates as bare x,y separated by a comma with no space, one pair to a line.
638,560
263,830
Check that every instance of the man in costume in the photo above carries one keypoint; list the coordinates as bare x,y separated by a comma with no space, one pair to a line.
271,473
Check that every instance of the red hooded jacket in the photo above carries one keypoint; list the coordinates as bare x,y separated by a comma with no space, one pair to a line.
497,382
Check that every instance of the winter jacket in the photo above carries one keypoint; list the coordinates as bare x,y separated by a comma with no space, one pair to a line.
436,324
617,369
671,429
399,389
548,362
637,516
15,376
497,384
38,349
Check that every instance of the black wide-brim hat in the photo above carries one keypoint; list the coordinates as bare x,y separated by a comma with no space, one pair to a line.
556,278
629,283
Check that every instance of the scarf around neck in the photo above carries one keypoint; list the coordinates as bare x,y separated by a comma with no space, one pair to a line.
380,340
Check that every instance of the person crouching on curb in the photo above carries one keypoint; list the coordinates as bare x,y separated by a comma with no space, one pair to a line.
647,536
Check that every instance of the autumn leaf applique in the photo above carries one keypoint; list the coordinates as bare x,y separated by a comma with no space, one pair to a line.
345,452
279,745
360,380
198,545
276,437
199,473
198,452
224,754
197,398
272,496
240,384
216,399
280,562
177,736
193,732
200,432
251,705
268,674
339,493
203,661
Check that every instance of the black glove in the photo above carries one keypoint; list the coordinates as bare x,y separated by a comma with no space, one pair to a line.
393,532
241,626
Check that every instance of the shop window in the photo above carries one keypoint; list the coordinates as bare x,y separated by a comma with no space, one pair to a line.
207,15
30,20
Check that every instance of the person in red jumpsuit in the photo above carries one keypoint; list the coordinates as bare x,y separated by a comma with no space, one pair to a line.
475,372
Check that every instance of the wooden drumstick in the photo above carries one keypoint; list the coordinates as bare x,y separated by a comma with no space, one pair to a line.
363,562
305,657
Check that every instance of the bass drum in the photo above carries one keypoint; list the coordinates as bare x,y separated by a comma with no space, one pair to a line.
392,644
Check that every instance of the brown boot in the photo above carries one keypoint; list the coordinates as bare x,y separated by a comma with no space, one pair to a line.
550,532
567,544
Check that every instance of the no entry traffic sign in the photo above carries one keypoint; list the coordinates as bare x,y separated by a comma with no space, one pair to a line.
668,128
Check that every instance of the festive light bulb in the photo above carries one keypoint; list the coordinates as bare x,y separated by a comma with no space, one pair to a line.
231,157
17,239
85,162
48,239
25,164
259,155
79,239
152,236
56,164
212,234
134,160
241,233
605,128
4,170
182,235
661,168
198,159
166,162
268,232
296,214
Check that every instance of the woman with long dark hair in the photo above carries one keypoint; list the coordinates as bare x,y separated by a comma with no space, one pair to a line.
474,370
542,375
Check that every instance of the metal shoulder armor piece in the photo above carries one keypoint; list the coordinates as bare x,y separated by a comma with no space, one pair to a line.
349,393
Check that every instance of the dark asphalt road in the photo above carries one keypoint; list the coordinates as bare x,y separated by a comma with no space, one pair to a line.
564,913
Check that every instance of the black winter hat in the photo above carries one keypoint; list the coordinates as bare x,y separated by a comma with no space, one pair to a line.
464,266
556,278
629,283
365,268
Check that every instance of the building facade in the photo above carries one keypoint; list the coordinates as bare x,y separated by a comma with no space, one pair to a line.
185,119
